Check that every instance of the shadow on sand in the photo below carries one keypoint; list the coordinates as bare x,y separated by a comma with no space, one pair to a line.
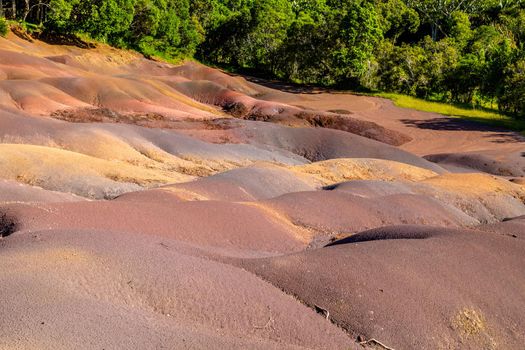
501,134
287,87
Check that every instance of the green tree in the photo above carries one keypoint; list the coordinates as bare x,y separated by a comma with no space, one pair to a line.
512,99
397,18
3,27
460,29
437,13
331,42
496,51
103,19
248,34
464,80
417,70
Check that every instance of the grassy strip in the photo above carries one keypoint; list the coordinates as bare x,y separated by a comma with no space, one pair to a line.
482,115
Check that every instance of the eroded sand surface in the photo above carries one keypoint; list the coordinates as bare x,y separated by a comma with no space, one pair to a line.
150,206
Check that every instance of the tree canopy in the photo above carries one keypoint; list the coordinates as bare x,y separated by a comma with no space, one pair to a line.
467,51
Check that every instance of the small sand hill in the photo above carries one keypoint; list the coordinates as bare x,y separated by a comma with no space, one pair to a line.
259,181
52,168
339,170
12,191
100,289
250,231
514,228
506,164
322,144
382,285
483,196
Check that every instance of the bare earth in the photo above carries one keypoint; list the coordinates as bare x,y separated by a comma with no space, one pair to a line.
151,206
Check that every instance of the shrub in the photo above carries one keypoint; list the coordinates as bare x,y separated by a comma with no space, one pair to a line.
3,27
512,100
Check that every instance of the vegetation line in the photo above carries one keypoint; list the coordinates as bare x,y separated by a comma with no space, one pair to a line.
482,115
470,52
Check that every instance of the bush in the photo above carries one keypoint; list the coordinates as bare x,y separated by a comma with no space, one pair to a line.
3,27
512,99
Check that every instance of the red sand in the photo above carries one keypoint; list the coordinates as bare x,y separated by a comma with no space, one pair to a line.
145,205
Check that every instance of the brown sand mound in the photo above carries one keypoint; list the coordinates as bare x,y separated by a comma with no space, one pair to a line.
484,198
11,191
322,144
111,290
198,72
513,165
245,107
513,227
372,188
249,231
261,181
51,169
413,286
334,214
131,94
339,170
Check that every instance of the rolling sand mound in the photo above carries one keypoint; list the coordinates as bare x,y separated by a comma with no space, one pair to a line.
51,168
261,181
486,197
339,170
129,291
11,191
266,180
146,205
249,232
245,107
483,197
508,165
382,285
514,228
335,214
321,144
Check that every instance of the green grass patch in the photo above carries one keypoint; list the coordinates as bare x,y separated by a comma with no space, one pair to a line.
482,115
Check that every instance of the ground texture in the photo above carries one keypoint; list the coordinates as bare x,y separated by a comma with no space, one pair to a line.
151,206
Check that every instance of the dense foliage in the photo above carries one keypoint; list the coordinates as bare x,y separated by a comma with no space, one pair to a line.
3,27
465,51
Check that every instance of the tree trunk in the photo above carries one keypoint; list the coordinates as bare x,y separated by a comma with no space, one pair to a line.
26,9
13,9
1,8
38,15
434,28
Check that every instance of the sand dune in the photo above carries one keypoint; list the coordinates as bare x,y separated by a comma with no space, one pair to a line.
115,291
147,205
382,285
